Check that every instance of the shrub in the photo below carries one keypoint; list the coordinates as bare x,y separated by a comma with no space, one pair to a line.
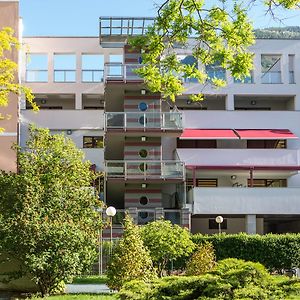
274,251
166,242
130,260
202,261
230,279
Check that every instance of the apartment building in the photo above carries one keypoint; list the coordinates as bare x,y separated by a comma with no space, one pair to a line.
9,17
236,154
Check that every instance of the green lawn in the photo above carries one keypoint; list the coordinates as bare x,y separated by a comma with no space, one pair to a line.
90,279
80,297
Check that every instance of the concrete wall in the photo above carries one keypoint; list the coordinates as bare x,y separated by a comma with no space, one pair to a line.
9,17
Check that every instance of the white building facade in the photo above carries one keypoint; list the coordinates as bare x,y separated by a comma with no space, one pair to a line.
236,154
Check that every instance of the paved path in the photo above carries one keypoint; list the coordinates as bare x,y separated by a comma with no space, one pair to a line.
87,288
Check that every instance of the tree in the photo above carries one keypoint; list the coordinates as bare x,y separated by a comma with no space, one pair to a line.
8,71
48,218
130,260
222,34
166,242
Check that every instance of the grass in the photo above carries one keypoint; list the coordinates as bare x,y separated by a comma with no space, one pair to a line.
90,279
80,297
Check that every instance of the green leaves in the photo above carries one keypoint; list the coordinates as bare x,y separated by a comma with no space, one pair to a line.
221,35
166,242
8,69
130,260
48,221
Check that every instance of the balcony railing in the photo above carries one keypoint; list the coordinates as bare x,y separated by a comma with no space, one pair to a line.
121,72
150,169
271,77
139,120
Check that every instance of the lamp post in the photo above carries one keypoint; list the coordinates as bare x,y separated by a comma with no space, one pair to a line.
219,220
110,212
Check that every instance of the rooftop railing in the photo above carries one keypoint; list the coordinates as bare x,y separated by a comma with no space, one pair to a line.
150,169
139,120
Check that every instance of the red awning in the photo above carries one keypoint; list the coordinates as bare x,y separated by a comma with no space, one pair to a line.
208,134
265,134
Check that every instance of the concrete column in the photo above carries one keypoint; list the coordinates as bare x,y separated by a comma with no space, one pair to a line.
250,222
78,67
297,103
186,218
78,101
50,67
257,68
229,102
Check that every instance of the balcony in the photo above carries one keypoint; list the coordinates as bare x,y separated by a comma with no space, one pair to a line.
275,158
236,201
144,121
145,170
145,216
118,72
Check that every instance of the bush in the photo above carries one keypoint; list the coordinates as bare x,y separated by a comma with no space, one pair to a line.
274,251
130,260
166,242
202,261
231,279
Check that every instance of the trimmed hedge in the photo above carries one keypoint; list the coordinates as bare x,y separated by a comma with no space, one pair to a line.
274,251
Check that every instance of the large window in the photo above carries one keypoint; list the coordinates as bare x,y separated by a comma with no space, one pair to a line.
36,67
64,67
92,67
115,67
93,142
271,144
270,68
190,61
215,71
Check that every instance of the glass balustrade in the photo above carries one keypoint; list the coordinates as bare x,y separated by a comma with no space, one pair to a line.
139,120
119,71
145,169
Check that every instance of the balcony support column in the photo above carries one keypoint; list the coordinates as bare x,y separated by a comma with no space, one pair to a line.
159,213
133,213
251,177
194,178
250,224
229,102
186,218
78,101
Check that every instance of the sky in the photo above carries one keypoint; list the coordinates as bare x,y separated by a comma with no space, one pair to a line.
80,17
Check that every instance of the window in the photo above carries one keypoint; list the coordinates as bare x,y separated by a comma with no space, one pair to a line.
215,71
268,183
196,143
115,67
36,67
291,68
248,79
212,224
93,142
64,67
266,144
202,183
144,200
190,61
92,67
143,106
270,68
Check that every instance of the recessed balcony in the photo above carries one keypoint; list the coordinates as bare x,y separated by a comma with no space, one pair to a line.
162,121
145,170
